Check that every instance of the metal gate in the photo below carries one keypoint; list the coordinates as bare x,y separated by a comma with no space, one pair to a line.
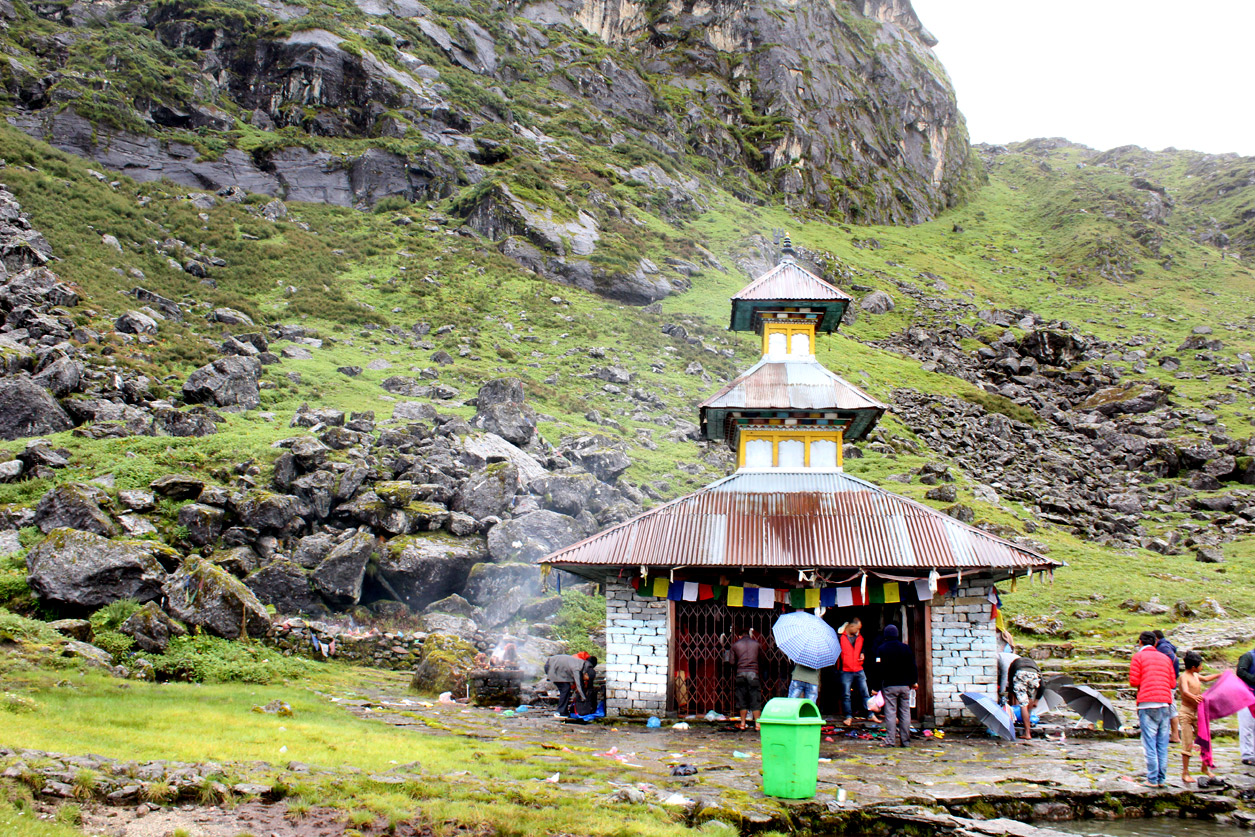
701,680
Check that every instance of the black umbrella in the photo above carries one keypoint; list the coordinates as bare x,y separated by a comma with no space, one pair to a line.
1091,706
1050,690
989,713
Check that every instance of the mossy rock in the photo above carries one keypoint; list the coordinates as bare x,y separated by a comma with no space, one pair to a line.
444,665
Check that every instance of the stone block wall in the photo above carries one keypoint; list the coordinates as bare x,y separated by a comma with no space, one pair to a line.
964,653
638,637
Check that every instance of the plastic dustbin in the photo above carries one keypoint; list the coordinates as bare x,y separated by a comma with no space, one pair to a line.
790,741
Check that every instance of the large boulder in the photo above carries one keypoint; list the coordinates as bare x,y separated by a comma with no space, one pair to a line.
200,593
82,570
151,628
311,549
565,493
266,511
74,506
877,302
339,576
533,536
489,491
499,590
369,509
227,382
500,410
1052,348
204,523
1132,397
445,662
27,409
421,569
599,455
285,585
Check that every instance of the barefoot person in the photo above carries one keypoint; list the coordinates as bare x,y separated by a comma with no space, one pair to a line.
1020,684
1190,687
747,688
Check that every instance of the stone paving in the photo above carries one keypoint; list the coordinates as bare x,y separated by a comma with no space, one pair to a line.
960,771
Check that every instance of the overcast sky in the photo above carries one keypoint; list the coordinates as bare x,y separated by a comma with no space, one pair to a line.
1154,73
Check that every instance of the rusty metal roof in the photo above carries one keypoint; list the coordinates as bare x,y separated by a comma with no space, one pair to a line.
791,385
788,284
797,520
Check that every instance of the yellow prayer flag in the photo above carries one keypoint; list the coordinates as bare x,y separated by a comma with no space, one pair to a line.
812,597
736,597
661,585
891,592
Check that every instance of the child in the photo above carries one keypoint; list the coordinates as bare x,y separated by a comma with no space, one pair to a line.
1190,687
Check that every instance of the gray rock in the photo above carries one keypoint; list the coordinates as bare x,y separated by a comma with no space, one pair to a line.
488,492
600,456
877,302
266,511
421,569
237,560
201,594
285,585
74,506
1209,555
136,322
27,409
533,536
565,493
338,577
178,486
414,411
227,382
229,316
82,570
151,628
945,493
312,549
61,377
204,523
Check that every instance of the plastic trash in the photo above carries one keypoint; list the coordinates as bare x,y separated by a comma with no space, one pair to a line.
509,713
653,723
712,715
524,708
680,726
554,778
737,754
445,697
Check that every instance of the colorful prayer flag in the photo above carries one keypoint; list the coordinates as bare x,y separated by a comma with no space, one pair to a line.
828,597
675,591
845,597
922,591
736,597
891,592
704,592
690,591
812,597
876,593
660,587
797,599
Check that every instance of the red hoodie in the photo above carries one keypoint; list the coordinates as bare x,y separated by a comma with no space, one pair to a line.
1153,676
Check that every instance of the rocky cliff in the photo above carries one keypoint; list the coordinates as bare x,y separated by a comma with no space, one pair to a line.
832,105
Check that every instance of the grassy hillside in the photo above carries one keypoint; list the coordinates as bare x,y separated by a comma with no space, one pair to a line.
1066,242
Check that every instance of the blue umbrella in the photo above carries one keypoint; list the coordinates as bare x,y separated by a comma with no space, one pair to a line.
806,639
989,713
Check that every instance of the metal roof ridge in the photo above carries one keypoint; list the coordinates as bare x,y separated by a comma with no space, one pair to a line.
780,266
810,360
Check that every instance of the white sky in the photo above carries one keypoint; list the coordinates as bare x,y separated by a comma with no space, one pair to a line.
1154,73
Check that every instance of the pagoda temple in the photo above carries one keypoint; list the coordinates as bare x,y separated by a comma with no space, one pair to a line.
790,530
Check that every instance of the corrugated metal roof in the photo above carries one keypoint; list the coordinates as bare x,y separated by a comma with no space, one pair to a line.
797,519
789,280
792,384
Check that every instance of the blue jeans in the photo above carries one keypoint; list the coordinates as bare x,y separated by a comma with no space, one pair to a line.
800,689
856,679
1156,726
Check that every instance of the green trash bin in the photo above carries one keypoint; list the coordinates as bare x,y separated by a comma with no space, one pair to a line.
790,741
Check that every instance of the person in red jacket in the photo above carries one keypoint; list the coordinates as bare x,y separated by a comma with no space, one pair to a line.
1153,675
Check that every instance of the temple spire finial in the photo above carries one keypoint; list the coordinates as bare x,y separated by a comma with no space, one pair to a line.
786,249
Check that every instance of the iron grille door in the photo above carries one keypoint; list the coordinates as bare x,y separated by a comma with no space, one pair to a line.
702,632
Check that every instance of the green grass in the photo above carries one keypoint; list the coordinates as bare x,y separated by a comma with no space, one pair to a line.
468,781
